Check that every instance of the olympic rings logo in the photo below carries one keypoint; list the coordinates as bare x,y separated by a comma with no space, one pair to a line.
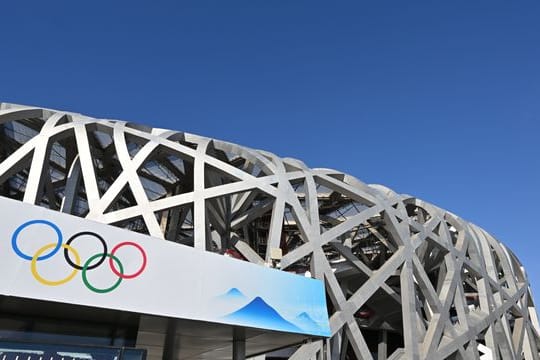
73,259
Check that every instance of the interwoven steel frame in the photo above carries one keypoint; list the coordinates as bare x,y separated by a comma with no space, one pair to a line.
404,278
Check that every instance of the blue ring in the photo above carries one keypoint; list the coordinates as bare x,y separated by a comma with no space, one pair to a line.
32,222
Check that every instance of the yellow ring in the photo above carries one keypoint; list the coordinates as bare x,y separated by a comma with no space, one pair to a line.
44,281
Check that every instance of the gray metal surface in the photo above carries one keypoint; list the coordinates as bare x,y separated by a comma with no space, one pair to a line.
404,278
199,340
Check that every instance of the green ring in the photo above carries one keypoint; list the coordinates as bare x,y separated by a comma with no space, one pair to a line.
94,289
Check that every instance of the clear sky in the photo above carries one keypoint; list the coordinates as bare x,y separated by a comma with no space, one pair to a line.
439,99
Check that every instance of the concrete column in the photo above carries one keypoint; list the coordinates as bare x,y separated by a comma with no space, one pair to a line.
239,344
239,350
151,336
382,348
169,346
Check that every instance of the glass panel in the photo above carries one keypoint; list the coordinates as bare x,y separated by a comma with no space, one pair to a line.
32,351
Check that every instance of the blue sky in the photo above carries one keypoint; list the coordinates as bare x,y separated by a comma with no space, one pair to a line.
439,99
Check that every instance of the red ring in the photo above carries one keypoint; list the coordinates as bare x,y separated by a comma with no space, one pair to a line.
118,273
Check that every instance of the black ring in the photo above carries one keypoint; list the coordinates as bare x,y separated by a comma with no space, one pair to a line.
78,267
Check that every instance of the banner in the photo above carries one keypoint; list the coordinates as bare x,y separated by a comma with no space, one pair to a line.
48,255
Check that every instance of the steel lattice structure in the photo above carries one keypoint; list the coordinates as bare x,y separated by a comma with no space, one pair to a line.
404,278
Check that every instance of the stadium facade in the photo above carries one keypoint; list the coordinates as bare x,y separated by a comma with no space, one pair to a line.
368,273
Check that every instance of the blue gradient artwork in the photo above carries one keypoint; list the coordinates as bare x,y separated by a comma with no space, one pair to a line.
233,293
258,313
305,322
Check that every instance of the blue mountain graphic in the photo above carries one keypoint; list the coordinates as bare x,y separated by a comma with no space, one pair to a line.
259,314
306,323
233,293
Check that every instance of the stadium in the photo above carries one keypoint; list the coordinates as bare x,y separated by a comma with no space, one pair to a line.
211,250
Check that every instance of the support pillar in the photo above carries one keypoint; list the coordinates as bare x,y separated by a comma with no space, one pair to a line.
151,336
382,348
239,344
169,346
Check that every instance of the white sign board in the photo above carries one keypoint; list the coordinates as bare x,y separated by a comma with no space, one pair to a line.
52,256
